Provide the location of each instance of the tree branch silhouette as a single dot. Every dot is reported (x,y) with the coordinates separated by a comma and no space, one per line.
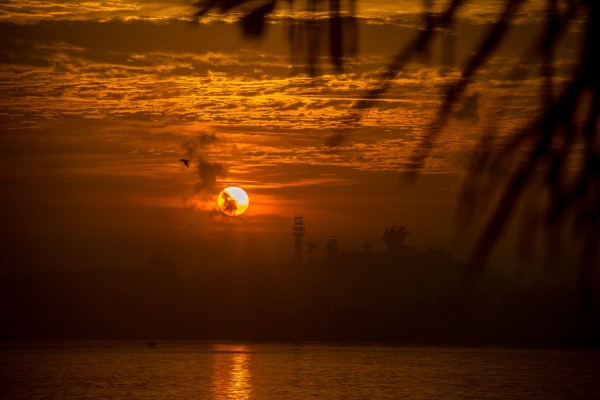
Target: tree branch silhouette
(535,158)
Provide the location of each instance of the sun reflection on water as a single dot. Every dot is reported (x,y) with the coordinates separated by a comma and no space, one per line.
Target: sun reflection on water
(231,374)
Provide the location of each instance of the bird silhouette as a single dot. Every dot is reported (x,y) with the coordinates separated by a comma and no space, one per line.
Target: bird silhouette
(185,162)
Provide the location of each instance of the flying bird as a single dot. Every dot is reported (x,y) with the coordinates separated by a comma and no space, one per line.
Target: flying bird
(185,162)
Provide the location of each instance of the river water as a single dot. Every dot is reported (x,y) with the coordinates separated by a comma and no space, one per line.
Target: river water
(229,370)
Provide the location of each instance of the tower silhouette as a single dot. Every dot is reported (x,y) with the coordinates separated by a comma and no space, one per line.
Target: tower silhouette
(298,232)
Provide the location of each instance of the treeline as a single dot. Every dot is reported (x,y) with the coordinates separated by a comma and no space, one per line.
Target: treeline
(401,296)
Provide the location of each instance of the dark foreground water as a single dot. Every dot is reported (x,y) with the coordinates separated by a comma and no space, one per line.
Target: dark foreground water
(207,370)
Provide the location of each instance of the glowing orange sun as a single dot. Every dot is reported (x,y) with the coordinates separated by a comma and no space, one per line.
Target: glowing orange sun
(233,201)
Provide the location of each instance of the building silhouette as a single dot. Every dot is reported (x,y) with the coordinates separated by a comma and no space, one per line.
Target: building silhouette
(331,247)
(298,231)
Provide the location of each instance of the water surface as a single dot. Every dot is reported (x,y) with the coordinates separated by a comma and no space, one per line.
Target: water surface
(210,370)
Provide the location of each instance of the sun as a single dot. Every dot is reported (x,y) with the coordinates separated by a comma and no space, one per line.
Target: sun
(233,201)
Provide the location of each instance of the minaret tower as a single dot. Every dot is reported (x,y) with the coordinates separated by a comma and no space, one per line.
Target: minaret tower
(298,231)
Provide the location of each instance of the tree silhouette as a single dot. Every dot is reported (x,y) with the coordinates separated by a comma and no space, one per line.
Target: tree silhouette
(394,237)
(536,159)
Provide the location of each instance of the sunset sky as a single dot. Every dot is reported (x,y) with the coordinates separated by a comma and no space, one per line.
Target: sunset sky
(100,101)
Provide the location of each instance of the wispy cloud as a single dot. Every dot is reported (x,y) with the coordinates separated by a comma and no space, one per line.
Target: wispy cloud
(35,10)
(207,171)
(165,82)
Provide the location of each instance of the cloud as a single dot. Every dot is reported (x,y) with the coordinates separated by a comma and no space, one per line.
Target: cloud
(170,75)
(229,203)
(207,171)
(34,11)
(200,142)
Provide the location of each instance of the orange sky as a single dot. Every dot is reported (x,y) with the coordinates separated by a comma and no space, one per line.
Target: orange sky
(101,100)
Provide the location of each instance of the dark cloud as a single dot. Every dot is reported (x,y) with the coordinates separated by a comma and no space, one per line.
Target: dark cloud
(199,143)
(207,171)
(229,203)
